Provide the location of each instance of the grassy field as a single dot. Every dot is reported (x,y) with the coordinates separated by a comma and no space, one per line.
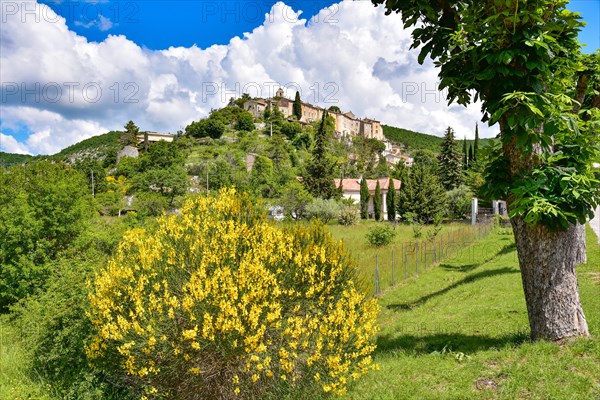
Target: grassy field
(460,331)
(409,259)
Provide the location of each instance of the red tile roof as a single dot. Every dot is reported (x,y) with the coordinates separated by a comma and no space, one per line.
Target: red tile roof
(353,184)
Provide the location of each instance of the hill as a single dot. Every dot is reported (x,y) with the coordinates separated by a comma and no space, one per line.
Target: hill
(98,147)
(412,140)
(8,159)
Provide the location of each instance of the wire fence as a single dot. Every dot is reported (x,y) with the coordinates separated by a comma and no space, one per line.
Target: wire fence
(403,261)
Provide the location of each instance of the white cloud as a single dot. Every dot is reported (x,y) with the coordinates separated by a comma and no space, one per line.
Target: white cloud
(9,144)
(65,89)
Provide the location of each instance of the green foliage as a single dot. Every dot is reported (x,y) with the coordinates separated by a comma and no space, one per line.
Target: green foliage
(422,195)
(334,109)
(9,159)
(459,202)
(295,199)
(377,202)
(325,210)
(391,201)
(245,122)
(449,162)
(529,79)
(476,143)
(291,130)
(349,215)
(381,235)
(261,177)
(45,206)
(319,177)
(364,199)
(102,147)
(297,107)
(212,127)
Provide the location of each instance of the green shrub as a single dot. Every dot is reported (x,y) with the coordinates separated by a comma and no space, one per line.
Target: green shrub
(325,210)
(381,235)
(349,215)
(219,303)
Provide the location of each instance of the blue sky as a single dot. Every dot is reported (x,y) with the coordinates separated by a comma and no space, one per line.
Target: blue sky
(72,69)
(159,24)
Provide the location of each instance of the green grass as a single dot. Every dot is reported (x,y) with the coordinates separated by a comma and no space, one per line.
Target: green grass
(460,331)
(452,239)
(15,382)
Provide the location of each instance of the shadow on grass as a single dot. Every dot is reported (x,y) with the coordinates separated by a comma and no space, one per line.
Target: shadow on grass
(468,279)
(430,342)
(506,249)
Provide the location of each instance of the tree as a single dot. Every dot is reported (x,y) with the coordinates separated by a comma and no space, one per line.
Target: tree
(465,155)
(129,137)
(377,202)
(45,208)
(261,177)
(297,107)
(335,109)
(364,199)
(391,201)
(422,195)
(528,78)
(449,161)
(295,199)
(471,159)
(476,144)
(245,122)
(209,127)
(319,177)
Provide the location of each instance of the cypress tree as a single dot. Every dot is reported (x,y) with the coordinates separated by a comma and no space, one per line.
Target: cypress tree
(297,108)
(465,155)
(471,159)
(476,146)
(364,199)
(391,201)
(449,161)
(319,177)
(377,202)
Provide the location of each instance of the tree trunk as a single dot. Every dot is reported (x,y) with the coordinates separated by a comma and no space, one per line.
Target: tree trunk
(547,260)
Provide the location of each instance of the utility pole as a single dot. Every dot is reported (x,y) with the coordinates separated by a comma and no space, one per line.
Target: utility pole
(271,128)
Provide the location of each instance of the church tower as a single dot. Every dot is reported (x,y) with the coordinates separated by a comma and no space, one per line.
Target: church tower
(279,93)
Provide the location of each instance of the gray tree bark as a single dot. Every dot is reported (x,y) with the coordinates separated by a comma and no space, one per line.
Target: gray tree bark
(547,260)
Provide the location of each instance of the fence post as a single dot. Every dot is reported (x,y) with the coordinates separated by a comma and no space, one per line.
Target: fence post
(417,257)
(434,251)
(425,256)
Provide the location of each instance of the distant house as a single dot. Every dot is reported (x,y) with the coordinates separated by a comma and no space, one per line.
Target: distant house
(155,137)
(351,190)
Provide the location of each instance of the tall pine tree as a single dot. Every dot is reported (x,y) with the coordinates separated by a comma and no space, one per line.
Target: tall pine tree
(297,108)
(422,196)
(465,155)
(377,202)
(391,201)
(476,145)
(364,199)
(449,161)
(319,177)
(471,159)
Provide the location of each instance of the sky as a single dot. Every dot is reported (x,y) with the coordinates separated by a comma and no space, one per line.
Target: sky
(75,69)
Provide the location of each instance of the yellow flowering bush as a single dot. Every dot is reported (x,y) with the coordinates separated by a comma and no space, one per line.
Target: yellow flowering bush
(219,303)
